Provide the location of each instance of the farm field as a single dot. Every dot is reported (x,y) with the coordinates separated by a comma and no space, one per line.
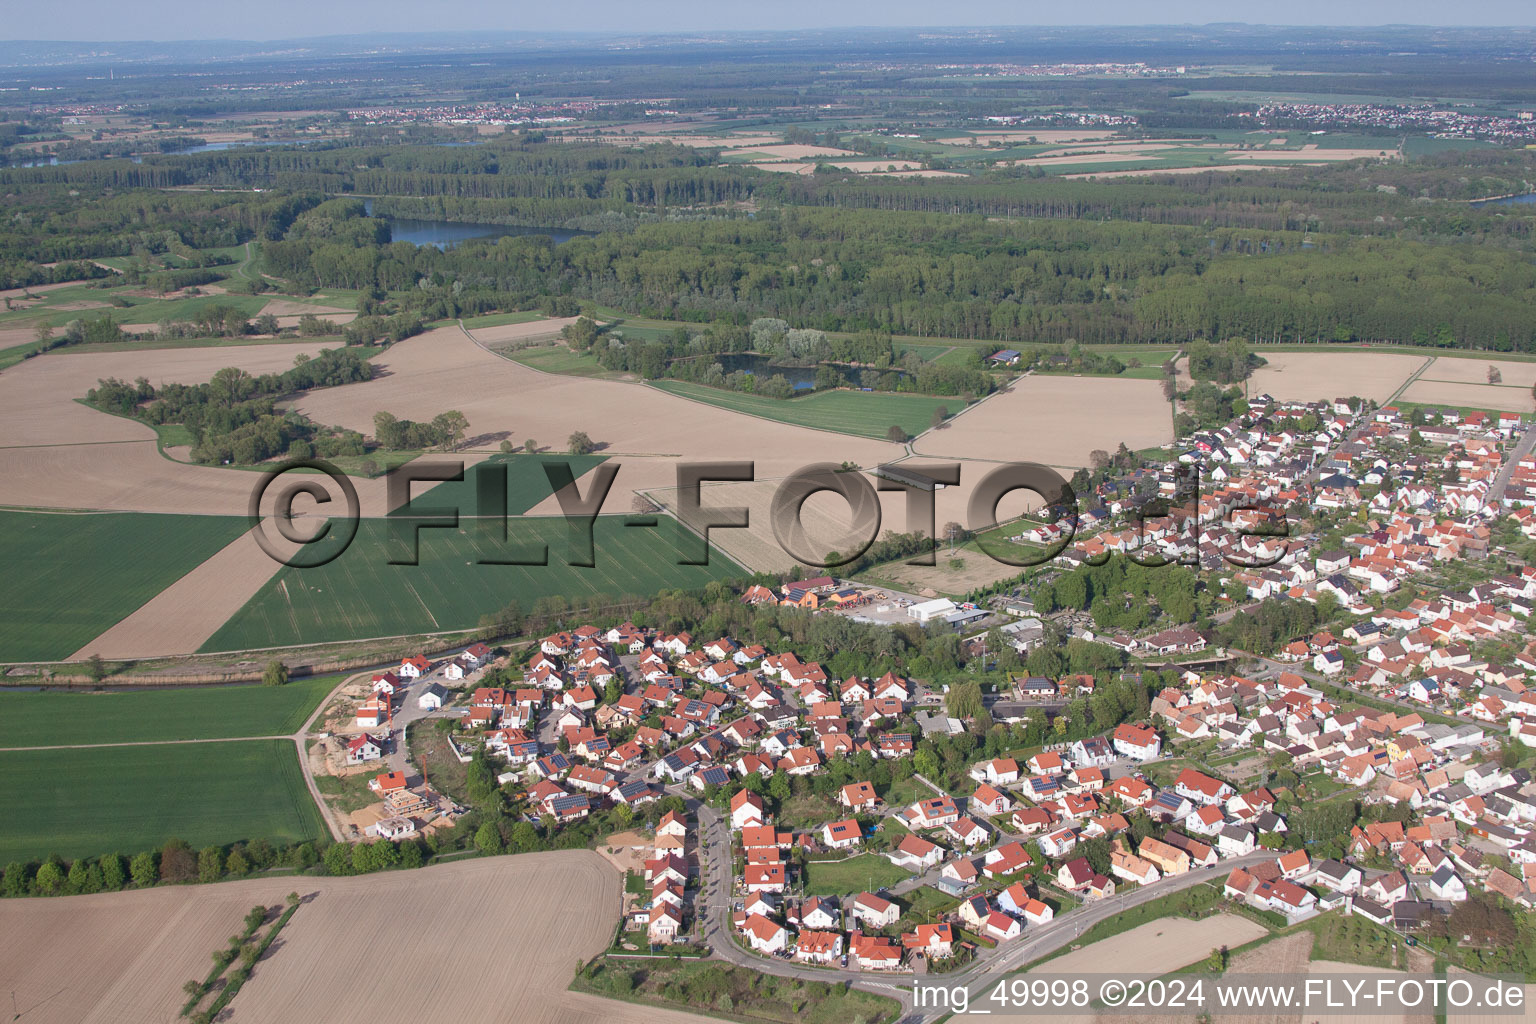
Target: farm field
(142,945)
(868,873)
(1159,946)
(361,595)
(1498,397)
(73,576)
(1472,368)
(1056,421)
(527,484)
(187,713)
(1316,376)
(557,358)
(865,414)
(94,800)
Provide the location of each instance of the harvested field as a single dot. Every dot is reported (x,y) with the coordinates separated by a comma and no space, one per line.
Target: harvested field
(451,919)
(1158,947)
(1499,397)
(1474,370)
(1042,419)
(788,152)
(1314,376)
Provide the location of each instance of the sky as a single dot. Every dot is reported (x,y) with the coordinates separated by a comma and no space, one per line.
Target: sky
(113,20)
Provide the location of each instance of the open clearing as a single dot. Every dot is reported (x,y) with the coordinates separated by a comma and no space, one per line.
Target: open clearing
(1057,421)
(73,576)
(93,800)
(359,594)
(1158,946)
(1499,397)
(451,920)
(1318,376)
(187,713)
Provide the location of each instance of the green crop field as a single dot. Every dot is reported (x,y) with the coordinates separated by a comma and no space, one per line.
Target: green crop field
(856,874)
(71,577)
(527,484)
(864,413)
(360,594)
(92,801)
(136,716)
(556,359)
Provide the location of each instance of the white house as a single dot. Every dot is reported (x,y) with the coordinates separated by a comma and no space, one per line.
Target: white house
(765,935)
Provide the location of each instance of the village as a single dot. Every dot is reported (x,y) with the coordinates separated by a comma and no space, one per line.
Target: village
(726,734)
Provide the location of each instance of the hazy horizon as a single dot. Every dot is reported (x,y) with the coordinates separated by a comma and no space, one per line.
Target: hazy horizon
(97,21)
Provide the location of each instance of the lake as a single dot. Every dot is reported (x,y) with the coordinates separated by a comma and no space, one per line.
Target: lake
(443,233)
(1522,200)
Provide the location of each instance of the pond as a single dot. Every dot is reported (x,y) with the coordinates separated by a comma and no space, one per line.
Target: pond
(801,378)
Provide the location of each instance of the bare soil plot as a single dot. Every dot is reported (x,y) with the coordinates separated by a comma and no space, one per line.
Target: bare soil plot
(1057,421)
(1287,955)
(1322,968)
(1158,947)
(60,453)
(291,307)
(1504,398)
(519,332)
(485,934)
(1314,376)
(37,289)
(37,397)
(1474,370)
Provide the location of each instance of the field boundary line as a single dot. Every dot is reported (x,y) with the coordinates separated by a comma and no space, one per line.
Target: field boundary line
(143,743)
